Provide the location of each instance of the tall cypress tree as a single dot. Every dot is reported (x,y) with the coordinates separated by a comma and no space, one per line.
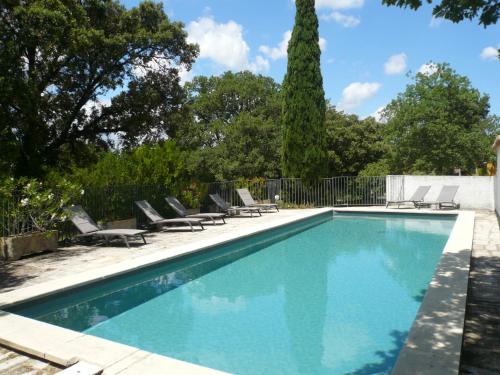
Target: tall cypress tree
(304,106)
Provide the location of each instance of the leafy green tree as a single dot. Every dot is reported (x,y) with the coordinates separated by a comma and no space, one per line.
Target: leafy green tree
(352,143)
(151,109)
(58,57)
(304,106)
(456,11)
(215,101)
(235,130)
(439,123)
(251,148)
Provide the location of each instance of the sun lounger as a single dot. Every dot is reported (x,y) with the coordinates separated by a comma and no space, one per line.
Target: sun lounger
(446,198)
(417,198)
(181,211)
(159,221)
(88,228)
(248,201)
(232,210)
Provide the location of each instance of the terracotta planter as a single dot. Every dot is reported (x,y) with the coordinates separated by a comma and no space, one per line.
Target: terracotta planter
(13,248)
(122,224)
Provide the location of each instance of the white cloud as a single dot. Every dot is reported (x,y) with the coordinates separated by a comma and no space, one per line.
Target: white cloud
(489,53)
(185,75)
(96,105)
(342,19)
(435,22)
(322,44)
(428,69)
(357,93)
(396,64)
(378,115)
(280,52)
(259,65)
(339,4)
(161,62)
(224,44)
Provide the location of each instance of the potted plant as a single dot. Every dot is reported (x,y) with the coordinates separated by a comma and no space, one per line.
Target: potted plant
(31,213)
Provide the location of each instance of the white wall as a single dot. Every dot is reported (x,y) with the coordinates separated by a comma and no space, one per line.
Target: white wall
(474,192)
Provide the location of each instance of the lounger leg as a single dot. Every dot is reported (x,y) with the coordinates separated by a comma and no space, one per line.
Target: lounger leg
(201,225)
(191,226)
(223,220)
(260,213)
(106,238)
(144,239)
(126,241)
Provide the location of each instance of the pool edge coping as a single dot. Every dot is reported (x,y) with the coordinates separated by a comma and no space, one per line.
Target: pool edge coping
(65,347)
(434,342)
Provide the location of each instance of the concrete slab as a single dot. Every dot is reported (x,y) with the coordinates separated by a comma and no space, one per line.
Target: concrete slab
(159,365)
(82,368)
(127,362)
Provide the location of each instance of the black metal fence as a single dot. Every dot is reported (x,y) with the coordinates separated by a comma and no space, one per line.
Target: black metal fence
(112,203)
(13,219)
(103,204)
(293,192)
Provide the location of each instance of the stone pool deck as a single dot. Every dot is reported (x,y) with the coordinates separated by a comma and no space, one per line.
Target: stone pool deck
(14,363)
(481,346)
(81,258)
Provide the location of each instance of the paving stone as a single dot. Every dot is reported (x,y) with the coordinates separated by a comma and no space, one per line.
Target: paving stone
(469,370)
(481,345)
(82,257)
(14,363)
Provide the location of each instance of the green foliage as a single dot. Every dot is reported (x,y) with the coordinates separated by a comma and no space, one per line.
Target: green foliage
(352,143)
(34,205)
(162,164)
(159,169)
(457,11)
(58,57)
(235,128)
(256,186)
(250,147)
(378,168)
(304,106)
(439,123)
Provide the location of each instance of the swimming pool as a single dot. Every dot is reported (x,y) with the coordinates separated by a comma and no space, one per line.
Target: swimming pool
(319,296)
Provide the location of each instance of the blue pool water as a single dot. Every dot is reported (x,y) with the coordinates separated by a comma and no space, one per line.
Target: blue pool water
(318,297)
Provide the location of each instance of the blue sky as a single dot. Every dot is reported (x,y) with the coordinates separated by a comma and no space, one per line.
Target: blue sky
(360,36)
